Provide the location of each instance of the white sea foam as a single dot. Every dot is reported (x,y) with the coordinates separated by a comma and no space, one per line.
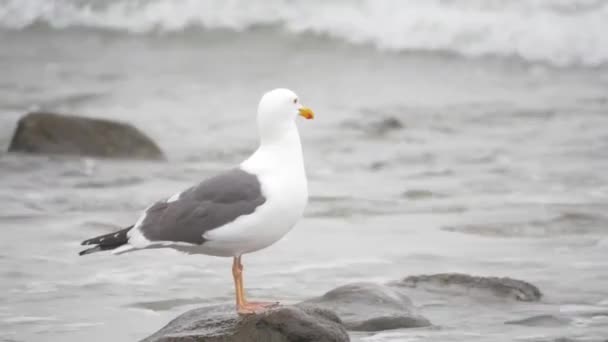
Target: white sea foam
(29,319)
(560,32)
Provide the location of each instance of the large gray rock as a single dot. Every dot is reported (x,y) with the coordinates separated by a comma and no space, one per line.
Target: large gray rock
(49,133)
(470,285)
(370,307)
(220,323)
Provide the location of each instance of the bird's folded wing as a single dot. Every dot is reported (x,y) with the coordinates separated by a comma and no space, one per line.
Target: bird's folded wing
(211,204)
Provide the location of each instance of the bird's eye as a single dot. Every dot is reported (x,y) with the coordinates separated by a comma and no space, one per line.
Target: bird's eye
(295,100)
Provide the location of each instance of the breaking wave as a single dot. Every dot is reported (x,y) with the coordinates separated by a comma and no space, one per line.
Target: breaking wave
(559,32)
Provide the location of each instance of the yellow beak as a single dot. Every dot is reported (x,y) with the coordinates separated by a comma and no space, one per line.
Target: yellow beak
(307,113)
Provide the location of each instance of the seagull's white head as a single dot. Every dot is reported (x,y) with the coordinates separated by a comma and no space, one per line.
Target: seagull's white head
(277,112)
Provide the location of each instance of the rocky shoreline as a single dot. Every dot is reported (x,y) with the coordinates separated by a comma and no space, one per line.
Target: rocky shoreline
(363,307)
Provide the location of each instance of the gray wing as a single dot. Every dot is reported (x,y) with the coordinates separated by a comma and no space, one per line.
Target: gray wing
(211,204)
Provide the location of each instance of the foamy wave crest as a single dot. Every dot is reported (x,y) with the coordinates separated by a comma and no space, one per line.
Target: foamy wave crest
(560,32)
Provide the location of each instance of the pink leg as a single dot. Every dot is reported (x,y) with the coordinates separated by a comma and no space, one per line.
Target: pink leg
(245,307)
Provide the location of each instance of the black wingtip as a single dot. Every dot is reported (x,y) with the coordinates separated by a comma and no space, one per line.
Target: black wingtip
(90,250)
(89,242)
(108,241)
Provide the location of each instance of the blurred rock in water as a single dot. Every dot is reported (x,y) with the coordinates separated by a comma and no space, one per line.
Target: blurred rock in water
(542,321)
(371,307)
(377,128)
(50,133)
(285,323)
(471,285)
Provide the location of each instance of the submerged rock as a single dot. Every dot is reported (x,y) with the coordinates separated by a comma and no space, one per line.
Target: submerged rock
(371,307)
(420,194)
(466,284)
(386,125)
(377,128)
(50,133)
(542,321)
(283,324)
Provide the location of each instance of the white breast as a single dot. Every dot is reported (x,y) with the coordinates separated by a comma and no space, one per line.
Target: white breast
(280,170)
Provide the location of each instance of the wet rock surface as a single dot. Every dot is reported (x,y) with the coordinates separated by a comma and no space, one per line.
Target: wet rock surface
(371,307)
(541,321)
(51,133)
(506,288)
(302,323)
(355,307)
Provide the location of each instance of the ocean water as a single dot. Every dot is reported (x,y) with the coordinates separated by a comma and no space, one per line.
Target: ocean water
(499,166)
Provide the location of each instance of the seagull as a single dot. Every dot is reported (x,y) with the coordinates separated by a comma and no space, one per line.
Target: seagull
(236,212)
